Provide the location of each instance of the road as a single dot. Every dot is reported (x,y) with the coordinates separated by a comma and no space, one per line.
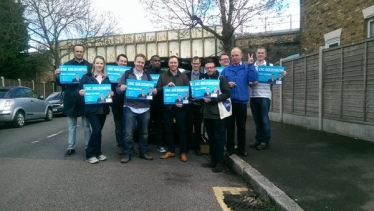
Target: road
(36,176)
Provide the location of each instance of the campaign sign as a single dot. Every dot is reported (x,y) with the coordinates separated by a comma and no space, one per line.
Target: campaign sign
(176,94)
(138,89)
(205,88)
(219,69)
(115,72)
(270,74)
(155,77)
(97,93)
(72,74)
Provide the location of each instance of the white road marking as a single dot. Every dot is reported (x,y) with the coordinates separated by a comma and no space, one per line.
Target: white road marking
(50,136)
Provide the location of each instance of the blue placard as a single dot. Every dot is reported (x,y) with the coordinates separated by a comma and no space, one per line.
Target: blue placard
(97,93)
(205,88)
(138,89)
(155,77)
(270,74)
(72,74)
(176,94)
(219,69)
(115,72)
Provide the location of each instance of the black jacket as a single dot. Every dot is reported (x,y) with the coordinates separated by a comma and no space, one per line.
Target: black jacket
(201,76)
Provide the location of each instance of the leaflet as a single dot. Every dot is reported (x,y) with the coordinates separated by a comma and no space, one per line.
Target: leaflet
(115,72)
(97,93)
(138,89)
(205,88)
(72,74)
(176,94)
(155,77)
(270,74)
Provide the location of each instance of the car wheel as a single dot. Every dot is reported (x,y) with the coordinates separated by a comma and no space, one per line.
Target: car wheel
(49,115)
(19,119)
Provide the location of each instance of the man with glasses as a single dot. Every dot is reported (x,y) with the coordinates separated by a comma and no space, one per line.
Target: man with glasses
(224,60)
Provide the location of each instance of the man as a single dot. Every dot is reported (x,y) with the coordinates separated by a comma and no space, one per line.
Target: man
(179,100)
(150,93)
(101,99)
(108,94)
(215,126)
(73,102)
(194,117)
(76,79)
(155,122)
(142,95)
(272,79)
(280,77)
(215,90)
(185,96)
(224,60)
(117,107)
(207,92)
(239,76)
(173,77)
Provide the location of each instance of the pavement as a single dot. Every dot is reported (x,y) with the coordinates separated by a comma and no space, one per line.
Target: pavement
(309,170)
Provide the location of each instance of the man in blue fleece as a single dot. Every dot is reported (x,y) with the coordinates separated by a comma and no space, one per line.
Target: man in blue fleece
(239,76)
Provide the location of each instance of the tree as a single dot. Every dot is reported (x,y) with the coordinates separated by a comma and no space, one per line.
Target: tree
(231,14)
(13,39)
(50,21)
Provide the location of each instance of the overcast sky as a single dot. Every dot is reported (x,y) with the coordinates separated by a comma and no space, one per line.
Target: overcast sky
(131,15)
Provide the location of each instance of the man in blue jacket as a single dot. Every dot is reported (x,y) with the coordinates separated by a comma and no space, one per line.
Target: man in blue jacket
(239,76)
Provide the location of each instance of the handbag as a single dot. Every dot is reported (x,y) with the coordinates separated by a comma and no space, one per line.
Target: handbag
(225,108)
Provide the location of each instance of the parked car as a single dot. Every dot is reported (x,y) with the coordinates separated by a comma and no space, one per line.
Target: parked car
(56,100)
(19,104)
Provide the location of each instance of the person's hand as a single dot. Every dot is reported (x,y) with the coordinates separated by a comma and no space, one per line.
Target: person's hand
(232,84)
(179,105)
(82,92)
(207,100)
(155,91)
(57,71)
(171,84)
(250,58)
(123,87)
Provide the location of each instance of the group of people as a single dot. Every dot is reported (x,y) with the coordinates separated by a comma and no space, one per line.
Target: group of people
(129,114)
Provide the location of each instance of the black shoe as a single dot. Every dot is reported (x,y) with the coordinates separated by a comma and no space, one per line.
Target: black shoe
(125,159)
(229,152)
(146,156)
(69,152)
(208,165)
(218,168)
(254,144)
(242,153)
(197,152)
(262,146)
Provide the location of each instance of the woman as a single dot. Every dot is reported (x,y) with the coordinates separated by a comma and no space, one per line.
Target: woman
(96,113)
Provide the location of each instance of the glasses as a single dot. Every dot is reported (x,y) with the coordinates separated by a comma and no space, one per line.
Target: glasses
(209,68)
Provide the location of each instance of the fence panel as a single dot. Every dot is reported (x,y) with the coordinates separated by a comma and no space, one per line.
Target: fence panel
(312,82)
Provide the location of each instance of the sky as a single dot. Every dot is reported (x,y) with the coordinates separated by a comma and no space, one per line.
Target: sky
(131,15)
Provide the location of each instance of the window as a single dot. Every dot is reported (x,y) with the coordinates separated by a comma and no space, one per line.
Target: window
(368,15)
(371,28)
(332,39)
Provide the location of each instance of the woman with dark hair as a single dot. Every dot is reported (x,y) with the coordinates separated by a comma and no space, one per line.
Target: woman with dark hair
(96,113)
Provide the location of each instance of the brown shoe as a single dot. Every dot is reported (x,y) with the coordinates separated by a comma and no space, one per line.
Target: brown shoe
(184,157)
(167,155)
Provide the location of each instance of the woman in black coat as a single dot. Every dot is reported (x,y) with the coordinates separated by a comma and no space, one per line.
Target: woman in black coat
(96,113)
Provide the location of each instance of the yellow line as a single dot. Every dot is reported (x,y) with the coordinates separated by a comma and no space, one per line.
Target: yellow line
(218,192)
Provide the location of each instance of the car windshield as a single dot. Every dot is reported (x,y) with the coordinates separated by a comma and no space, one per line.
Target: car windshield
(54,96)
(2,93)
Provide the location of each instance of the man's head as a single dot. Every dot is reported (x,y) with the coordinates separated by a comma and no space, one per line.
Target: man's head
(78,51)
(143,91)
(272,76)
(215,88)
(150,90)
(196,63)
(122,60)
(280,75)
(210,67)
(155,62)
(207,90)
(101,95)
(139,62)
(179,96)
(236,55)
(260,54)
(224,60)
(173,63)
(76,76)
(185,94)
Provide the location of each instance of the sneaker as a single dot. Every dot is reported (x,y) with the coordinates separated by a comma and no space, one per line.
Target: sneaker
(262,146)
(254,144)
(146,157)
(101,157)
(125,159)
(161,149)
(69,152)
(93,160)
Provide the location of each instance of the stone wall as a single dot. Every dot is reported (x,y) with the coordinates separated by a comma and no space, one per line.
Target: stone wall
(321,17)
(278,45)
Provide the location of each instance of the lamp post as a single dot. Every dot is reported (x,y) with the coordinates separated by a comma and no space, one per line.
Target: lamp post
(43,89)
(33,84)
(19,82)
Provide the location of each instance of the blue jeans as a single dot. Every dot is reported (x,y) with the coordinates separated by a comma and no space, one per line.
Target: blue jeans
(260,111)
(216,133)
(72,127)
(94,145)
(130,120)
(180,117)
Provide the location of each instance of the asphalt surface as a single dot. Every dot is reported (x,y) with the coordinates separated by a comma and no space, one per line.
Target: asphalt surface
(317,170)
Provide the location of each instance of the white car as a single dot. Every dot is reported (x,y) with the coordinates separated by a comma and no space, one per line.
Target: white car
(19,104)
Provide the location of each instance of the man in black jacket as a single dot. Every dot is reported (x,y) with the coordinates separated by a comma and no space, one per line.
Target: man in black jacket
(73,103)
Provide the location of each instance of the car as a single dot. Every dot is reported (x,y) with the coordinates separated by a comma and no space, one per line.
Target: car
(56,100)
(19,104)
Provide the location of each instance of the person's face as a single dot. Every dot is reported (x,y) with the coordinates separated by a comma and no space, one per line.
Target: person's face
(196,65)
(173,64)
(272,76)
(139,63)
(76,76)
(155,62)
(280,75)
(236,56)
(224,60)
(185,95)
(78,53)
(150,90)
(99,64)
(143,91)
(260,54)
(210,68)
(179,96)
(122,61)
(207,89)
(215,88)
(101,95)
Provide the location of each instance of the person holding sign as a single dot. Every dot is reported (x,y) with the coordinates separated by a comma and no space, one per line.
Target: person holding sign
(135,112)
(73,103)
(96,113)
(173,77)
(239,76)
(215,126)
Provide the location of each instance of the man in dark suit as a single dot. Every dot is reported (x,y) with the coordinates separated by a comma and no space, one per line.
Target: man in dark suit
(150,93)
(101,99)
(207,92)
(185,96)
(272,79)
(179,100)
(76,79)
(142,95)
